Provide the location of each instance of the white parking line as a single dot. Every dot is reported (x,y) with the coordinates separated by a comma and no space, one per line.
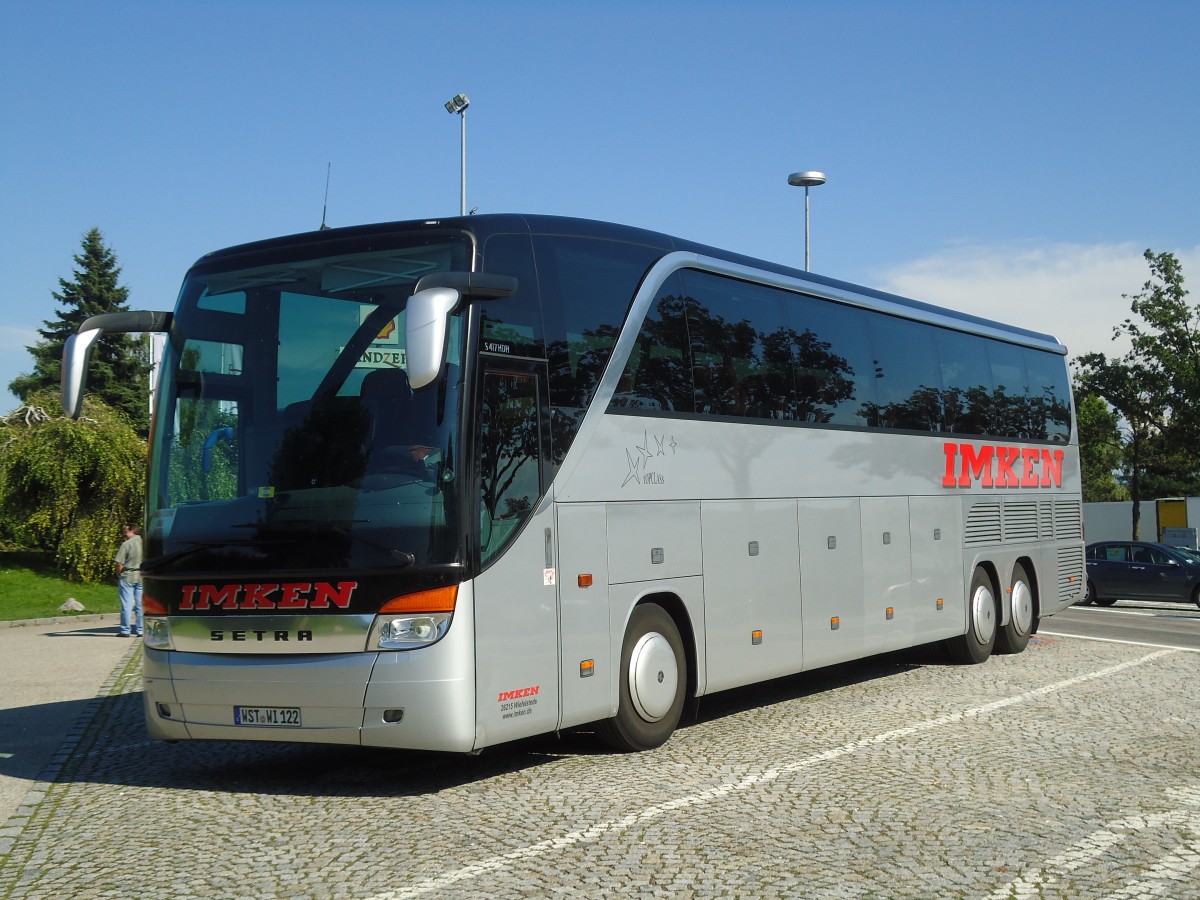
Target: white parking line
(1156,881)
(1151,613)
(1084,637)
(747,782)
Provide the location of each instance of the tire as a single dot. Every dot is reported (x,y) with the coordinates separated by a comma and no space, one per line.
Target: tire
(976,645)
(1196,595)
(1102,601)
(1013,637)
(653,683)
(1088,596)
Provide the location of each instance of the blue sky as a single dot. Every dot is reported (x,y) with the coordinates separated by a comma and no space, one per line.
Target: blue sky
(1012,159)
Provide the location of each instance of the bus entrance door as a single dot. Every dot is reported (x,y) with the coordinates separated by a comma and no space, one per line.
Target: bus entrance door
(587,674)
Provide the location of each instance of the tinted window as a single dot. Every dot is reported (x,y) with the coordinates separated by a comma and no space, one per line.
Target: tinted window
(966,382)
(908,380)
(750,351)
(1158,557)
(835,374)
(659,373)
(587,286)
(1049,390)
(509,477)
(512,325)
(734,330)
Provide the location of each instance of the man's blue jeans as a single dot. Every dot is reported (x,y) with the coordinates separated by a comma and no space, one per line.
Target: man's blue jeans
(131,604)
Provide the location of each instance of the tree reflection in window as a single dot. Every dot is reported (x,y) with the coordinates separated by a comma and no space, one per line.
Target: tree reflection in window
(204,461)
(717,346)
(509,458)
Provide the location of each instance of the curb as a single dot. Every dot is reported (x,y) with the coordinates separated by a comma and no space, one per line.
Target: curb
(61,620)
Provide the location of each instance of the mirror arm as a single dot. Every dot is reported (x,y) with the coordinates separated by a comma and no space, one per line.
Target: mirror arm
(483,285)
(129,322)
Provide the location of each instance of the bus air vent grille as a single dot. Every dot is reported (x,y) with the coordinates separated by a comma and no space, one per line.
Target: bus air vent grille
(1068,520)
(1021,521)
(983,525)
(1046,520)
(1070,572)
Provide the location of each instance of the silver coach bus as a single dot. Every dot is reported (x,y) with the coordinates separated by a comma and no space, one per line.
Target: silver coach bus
(444,484)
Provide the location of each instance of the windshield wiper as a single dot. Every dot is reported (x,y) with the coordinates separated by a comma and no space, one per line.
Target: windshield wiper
(165,559)
(277,533)
(401,556)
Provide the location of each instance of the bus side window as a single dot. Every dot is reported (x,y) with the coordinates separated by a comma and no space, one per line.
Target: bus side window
(509,454)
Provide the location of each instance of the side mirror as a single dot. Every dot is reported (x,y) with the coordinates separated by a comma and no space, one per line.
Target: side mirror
(78,349)
(425,321)
(435,297)
(76,352)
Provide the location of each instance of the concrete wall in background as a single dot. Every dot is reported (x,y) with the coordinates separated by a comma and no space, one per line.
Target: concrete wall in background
(1114,521)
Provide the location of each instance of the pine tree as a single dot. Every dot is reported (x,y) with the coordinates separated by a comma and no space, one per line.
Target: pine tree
(118,372)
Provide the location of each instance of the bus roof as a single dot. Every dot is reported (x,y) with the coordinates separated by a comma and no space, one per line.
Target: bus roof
(483,226)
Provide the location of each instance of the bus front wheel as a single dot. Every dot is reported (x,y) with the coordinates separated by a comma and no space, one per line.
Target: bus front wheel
(982,614)
(1014,637)
(653,681)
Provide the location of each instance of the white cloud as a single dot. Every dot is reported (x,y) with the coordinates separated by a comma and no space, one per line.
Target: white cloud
(1072,291)
(14,339)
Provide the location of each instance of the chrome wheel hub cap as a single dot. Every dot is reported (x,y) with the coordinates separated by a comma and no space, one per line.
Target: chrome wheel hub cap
(983,615)
(653,677)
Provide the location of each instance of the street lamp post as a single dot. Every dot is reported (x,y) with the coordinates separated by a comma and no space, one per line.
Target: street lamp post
(458,104)
(806,180)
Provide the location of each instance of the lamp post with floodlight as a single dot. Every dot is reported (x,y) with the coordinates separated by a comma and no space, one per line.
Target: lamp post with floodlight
(458,104)
(806,180)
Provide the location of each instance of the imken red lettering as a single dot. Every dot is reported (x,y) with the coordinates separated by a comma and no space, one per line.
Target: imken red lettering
(517,694)
(297,595)
(1001,466)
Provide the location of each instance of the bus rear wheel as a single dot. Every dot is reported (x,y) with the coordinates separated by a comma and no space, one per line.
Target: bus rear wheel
(982,613)
(653,681)
(1014,636)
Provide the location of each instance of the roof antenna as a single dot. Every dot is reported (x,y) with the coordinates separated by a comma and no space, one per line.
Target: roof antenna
(325,206)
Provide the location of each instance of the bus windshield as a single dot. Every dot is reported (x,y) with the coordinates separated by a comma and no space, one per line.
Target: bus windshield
(289,438)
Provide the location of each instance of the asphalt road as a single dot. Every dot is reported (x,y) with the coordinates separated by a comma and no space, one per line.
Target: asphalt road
(1142,622)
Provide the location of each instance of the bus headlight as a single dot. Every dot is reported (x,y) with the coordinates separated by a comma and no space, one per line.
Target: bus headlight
(413,620)
(156,633)
(408,632)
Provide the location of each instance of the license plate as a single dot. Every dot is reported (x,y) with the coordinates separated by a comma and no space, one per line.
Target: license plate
(269,716)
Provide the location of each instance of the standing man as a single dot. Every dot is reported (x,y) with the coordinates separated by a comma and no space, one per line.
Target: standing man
(129,580)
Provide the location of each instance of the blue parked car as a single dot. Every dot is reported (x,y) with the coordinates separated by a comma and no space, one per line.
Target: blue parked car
(1140,570)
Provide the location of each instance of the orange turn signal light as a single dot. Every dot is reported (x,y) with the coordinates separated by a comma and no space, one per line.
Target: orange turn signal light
(437,600)
(152,607)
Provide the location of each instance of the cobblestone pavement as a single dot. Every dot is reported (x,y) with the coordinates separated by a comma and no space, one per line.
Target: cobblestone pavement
(1072,770)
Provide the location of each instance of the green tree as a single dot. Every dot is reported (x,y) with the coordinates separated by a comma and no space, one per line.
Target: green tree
(1154,387)
(67,486)
(1168,340)
(1136,391)
(1100,449)
(1169,466)
(119,368)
